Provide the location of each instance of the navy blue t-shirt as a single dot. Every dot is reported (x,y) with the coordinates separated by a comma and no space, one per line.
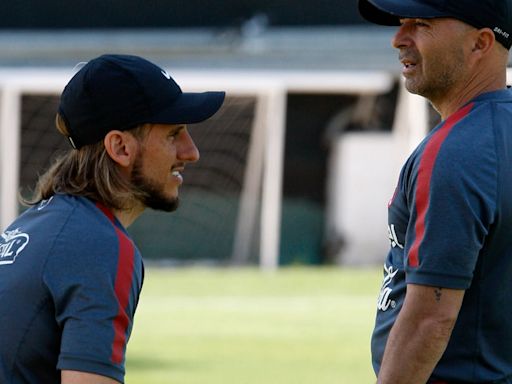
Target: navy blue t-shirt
(70,279)
(450,225)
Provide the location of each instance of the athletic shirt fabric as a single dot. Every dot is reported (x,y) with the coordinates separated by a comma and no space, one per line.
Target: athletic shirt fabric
(70,279)
(450,225)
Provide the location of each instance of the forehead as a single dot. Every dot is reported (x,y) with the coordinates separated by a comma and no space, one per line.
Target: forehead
(162,129)
(441,21)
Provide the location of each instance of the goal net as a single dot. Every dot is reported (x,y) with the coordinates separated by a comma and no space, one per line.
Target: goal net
(203,228)
(231,208)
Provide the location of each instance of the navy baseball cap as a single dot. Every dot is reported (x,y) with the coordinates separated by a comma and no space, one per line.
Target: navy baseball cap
(493,14)
(121,92)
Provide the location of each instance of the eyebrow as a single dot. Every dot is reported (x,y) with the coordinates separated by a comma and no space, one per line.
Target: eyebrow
(177,128)
(412,19)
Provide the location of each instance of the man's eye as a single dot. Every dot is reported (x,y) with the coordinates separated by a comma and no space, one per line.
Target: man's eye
(420,23)
(175,134)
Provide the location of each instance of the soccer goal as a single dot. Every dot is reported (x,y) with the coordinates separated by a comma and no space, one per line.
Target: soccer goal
(231,199)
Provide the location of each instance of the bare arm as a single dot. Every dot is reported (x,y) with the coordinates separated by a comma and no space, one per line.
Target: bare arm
(76,377)
(420,334)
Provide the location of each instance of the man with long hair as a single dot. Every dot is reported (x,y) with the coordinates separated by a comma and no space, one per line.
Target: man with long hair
(70,274)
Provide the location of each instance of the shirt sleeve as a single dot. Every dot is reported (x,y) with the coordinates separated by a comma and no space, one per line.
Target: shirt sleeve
(95,281)
(452,202)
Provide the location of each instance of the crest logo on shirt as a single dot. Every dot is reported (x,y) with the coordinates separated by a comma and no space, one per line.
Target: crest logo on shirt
(384,301)
(44,203)
(11,245)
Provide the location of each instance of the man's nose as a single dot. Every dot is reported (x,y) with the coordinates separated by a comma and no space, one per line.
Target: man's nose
(187,149)
(402,37)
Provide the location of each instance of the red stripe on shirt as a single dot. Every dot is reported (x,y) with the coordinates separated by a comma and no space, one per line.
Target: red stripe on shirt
(426,168)
(107,212)
(123,284)
(122,288)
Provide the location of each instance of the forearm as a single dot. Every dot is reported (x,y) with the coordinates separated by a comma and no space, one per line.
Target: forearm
(412,351)
(77,377)
(419,336)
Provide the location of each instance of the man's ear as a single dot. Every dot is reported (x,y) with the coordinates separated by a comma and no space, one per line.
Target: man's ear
(484,41)
(122,147)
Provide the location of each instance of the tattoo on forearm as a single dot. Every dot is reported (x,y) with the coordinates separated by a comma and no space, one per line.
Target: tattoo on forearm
(438,292)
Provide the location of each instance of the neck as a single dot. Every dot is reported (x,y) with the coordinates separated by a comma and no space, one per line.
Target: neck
(451,105)
(486,78)
(128,216)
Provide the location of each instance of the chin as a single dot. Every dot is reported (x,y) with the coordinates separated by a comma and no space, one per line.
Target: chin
(161,203)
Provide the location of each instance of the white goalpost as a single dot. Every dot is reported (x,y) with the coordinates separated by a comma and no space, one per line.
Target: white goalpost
(261,194)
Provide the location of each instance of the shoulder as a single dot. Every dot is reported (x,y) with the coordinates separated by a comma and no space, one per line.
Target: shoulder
(85,219)
(91,244)
(88,236)
(464,140)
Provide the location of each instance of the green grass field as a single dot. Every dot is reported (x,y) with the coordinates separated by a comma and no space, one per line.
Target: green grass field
(243,326)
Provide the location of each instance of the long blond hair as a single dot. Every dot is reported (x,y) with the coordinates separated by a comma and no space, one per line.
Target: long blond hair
(89,172)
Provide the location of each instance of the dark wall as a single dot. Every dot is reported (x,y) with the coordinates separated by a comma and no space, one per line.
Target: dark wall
(56,14)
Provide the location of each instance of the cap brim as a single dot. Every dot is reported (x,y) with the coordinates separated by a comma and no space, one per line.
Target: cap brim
(389,12)
(190,108)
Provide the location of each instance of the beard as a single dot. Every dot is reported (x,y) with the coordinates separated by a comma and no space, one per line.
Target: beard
(151,192)
(435,87)
(445,71)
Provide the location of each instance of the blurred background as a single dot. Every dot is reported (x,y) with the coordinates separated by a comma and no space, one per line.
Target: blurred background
(298,166)
(295,173)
